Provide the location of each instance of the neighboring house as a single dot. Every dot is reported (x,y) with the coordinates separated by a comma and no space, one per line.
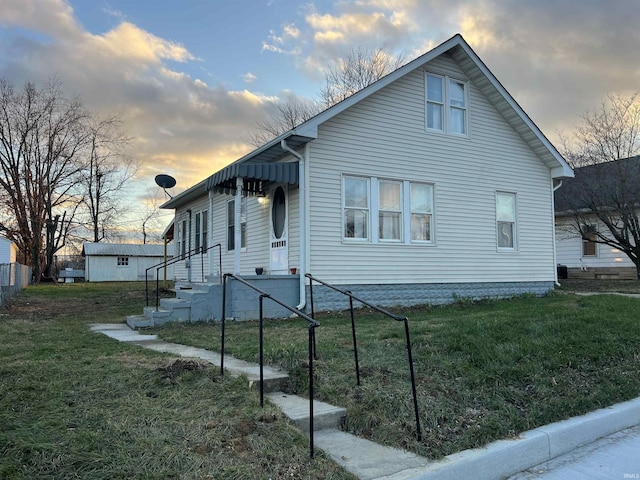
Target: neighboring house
(8,251)
(430,184)
(109,262)
(576,248)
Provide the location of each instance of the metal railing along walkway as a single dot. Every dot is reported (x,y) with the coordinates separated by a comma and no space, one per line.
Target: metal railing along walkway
(176,259)
(398,318)
(311,325)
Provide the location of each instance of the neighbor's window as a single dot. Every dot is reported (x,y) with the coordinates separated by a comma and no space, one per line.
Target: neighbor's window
(231,230)
(123,261)
(421,212)
(356,208)
(506,220)
(446,104)
(589,247)
(389,210)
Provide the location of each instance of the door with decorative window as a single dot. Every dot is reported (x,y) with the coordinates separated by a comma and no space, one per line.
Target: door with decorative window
(279,250)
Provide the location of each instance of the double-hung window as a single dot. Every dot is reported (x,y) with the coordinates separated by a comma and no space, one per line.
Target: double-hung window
(506,220)
(231,227)
(205,232)
(589,245)
(356,208)
(421,212)
(381,210)
(390,210)
(446,104)
(183,231)
(201,231)
(198,243)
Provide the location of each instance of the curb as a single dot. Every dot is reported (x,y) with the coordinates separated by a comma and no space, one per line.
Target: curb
(504,458)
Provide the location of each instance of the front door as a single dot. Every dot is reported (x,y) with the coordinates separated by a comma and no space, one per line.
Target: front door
(279,233)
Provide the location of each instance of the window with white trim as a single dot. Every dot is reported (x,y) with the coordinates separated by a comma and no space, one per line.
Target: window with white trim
(390,210)
(446,109)
(400,211)
(198,232)
(183,231)
(201,231)
(205,230)
(123,261)
(589,245)
(231,230)
(506,222)
(356,208)
(421,212)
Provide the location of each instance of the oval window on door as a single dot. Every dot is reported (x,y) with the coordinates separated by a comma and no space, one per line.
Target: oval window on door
(278,212)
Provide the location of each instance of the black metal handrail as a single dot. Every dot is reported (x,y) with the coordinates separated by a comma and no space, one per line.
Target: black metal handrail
(399,318)
(311,325)
(176,259)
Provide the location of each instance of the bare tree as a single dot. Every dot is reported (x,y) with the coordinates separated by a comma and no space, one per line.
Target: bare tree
(360,69)
(606,188)
(289,114)
(105,174)
(151,216)
(42,135)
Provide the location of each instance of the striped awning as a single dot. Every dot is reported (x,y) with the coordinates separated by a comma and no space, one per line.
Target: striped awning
(253,175)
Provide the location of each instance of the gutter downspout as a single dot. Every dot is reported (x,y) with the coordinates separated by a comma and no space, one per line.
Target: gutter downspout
(302,191)
(553,214)
(237,241)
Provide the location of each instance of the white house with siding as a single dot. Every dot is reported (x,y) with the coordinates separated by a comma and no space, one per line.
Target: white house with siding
(597,190)
(120,262)
(429,184)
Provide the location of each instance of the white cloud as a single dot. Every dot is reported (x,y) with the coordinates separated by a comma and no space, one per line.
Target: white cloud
(249,77)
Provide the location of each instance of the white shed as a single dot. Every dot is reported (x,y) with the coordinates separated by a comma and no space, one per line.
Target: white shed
(8,251)
(121,262)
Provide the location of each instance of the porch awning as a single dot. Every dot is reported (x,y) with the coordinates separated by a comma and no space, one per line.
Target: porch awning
(253,174)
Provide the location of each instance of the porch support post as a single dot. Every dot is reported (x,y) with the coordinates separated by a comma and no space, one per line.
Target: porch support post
(212,257)
(237,227)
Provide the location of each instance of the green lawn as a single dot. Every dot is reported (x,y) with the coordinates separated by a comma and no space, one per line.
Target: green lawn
(75,404)
(79,405)
(485,370)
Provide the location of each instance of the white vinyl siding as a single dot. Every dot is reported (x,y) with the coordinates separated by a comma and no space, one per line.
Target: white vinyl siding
(384,137)
(570,245)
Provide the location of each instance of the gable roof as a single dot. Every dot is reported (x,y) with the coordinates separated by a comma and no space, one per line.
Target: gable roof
(125,250)
(472,66)
(600,185)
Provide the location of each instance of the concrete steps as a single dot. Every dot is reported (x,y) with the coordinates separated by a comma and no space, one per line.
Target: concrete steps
(363,458)
(297,409)
(193,302)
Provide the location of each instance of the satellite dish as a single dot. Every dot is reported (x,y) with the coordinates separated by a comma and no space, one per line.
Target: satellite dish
(165,181)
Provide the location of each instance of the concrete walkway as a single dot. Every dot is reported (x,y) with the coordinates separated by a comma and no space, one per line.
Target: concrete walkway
(566,446)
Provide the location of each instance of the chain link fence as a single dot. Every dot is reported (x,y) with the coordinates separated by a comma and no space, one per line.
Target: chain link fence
(13,278)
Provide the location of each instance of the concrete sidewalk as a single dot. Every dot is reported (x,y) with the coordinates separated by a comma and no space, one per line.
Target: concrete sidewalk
(568,446)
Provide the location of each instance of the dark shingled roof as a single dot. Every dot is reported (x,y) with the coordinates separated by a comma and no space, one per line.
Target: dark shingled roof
(600,185)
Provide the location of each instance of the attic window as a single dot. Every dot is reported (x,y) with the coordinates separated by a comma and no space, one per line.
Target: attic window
(446,108)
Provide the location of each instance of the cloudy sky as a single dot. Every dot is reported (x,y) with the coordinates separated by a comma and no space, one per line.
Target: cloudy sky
(191,77)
